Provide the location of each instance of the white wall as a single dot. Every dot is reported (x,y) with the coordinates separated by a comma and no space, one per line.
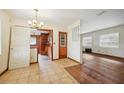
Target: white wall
(56,28)
(109,19)
(5,33)
(109,51)
(73,46)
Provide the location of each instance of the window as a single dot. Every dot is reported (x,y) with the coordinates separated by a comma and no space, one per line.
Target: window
(76,33)
(63,40)
(33,41)
(109,40)
(0,40)
(87,41)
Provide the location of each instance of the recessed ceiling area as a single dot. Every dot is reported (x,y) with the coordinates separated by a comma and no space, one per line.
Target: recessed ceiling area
(65,16)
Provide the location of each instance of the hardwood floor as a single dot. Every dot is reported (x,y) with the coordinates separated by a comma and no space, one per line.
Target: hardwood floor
(98,69)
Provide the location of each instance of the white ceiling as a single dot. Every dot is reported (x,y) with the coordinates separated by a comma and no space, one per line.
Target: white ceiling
(63,16)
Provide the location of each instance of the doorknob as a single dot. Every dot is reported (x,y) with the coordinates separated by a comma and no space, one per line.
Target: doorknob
(11,48)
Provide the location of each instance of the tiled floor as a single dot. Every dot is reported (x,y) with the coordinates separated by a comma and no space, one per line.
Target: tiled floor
(45,72)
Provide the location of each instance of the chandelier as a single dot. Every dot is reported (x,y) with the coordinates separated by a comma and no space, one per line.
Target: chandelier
(34,23)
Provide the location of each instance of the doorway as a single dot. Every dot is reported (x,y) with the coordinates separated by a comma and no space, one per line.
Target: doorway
(62,45)
(44,44)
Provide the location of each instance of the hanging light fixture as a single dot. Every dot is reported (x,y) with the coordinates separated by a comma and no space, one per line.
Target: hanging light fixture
(34,23)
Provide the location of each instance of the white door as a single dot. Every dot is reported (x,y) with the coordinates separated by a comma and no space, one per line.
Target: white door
(20,47)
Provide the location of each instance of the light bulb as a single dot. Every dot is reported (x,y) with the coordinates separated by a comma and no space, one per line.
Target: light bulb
(41,24)
(29,22)
(34,21)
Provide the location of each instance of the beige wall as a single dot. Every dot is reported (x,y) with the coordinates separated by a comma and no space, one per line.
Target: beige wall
(109,51)
(56,28)
(5,33)
(0,38)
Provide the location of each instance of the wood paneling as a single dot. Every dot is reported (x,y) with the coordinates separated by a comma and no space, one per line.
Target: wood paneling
(98,69)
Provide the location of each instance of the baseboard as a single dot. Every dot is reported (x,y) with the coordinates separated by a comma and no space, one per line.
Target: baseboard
(55,59)
(116,57)
(33,62)
(74,60)
(4,72)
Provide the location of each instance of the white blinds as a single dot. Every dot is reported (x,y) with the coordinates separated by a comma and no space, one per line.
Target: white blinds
(109,40)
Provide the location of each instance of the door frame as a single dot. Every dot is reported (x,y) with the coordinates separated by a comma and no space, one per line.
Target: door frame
(59,43)
(49,30)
